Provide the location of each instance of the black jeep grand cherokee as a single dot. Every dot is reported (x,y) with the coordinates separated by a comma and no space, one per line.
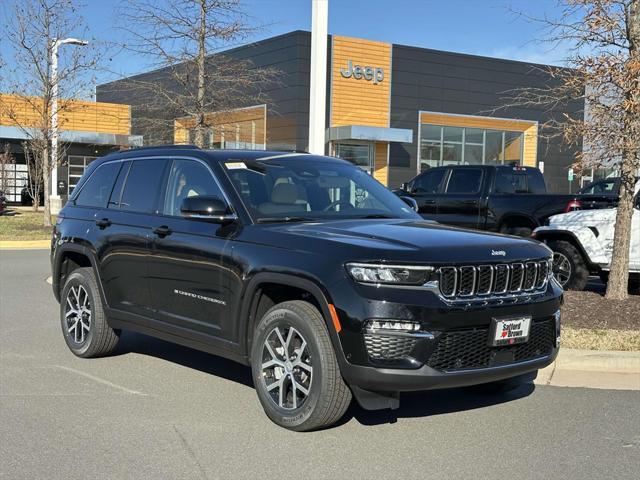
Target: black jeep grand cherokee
(303,267)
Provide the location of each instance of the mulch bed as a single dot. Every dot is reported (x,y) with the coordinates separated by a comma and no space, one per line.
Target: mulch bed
(592,310)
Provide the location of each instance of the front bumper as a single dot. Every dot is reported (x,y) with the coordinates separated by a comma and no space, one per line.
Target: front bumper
(451,349)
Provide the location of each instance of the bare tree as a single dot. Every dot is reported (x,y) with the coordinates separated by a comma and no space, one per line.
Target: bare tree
(182,40)
(33,151)
(6,161)
(605,75)
(34,26)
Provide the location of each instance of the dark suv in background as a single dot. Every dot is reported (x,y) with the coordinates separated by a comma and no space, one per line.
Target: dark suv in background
(303,267)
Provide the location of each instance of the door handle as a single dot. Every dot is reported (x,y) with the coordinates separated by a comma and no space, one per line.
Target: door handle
(103,223)
(429,202)
(162,231)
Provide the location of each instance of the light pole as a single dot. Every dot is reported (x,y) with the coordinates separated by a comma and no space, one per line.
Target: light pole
(318,84)
(54,198)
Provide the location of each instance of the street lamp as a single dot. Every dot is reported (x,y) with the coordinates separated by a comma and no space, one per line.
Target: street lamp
(54,198)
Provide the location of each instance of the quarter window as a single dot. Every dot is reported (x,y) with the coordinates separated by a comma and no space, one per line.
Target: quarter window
(97,189)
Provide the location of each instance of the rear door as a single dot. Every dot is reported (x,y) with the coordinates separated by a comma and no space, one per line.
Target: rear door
(459,204)
(123,235)
(190,268)
(424,189)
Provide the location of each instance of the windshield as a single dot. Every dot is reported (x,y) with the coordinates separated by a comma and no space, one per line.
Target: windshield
(308,188)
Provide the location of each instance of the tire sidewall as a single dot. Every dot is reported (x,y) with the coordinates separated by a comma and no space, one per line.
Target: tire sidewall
(278,317)
(579,274)
(75,279)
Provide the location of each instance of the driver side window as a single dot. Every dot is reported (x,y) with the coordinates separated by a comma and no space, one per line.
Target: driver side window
(188,178)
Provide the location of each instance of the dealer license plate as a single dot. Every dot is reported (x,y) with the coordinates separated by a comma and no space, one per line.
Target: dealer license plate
(509,331)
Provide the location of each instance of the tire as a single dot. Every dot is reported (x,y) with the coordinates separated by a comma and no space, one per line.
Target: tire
(92,336)
(516,231)
(327,398)
(577,277)
(507,385)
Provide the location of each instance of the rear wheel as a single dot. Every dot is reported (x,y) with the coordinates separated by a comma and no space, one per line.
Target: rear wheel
(82,317)
(569,267)
(295,370)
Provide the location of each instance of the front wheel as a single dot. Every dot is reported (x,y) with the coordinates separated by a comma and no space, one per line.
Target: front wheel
(295,370)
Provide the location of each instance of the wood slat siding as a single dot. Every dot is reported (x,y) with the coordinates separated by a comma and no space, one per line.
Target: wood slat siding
(227,122)
(528,128)
(73,115)
(359,102)
(381,166)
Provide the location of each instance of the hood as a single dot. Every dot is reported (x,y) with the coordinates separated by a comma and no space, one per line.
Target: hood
(583,217)
(407,240)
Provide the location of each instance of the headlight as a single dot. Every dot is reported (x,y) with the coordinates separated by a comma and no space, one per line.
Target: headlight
(389,274)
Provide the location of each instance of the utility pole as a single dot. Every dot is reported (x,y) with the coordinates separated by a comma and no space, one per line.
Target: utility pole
(54,198)
(318,90)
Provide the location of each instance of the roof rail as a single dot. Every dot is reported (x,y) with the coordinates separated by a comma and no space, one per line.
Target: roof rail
(169,146)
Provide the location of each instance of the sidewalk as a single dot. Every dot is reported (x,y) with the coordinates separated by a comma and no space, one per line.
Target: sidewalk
(593,369)
(25,244)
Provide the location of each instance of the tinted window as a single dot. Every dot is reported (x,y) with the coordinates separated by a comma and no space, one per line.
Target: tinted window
(188,178)
(536,182)
(114,201)
(509,182)
(97,189)
(465,180)
(143,186)
(600,188)
(428,182)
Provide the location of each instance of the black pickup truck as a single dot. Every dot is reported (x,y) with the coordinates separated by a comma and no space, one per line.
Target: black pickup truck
(506,199)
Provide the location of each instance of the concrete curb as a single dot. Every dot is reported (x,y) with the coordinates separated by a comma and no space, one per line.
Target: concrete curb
(25,244)
(593,369)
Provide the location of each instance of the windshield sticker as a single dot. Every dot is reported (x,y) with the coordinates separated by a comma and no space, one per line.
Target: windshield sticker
(235,165)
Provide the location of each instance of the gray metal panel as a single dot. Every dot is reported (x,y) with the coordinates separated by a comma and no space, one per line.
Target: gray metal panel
(76,136)
(364,132)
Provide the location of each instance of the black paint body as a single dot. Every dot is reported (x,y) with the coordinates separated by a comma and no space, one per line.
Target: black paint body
(226,266)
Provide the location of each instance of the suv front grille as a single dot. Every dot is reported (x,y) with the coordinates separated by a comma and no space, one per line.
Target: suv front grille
(484,280)
(468,349)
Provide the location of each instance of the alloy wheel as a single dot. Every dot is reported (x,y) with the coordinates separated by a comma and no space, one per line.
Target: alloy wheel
(561,268)
(287,371)
(78,314)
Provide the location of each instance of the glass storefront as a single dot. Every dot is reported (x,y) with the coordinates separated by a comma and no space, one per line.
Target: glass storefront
(358,154)
(445,145)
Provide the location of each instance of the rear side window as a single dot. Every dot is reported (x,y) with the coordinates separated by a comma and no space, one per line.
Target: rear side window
(97,189)
(536,182)
(465,180)
(143,186)
(519,181)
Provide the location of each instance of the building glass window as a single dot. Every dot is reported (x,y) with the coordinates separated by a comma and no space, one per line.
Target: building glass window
(77,165)
(445,145)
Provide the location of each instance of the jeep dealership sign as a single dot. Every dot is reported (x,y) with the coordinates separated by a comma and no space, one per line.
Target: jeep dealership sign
(375,74)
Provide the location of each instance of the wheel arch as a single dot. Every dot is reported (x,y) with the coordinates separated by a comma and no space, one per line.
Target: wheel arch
(70,257)
(567,236)
(517,219)
(254,305)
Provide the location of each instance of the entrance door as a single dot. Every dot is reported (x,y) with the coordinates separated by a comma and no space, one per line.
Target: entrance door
(360,154)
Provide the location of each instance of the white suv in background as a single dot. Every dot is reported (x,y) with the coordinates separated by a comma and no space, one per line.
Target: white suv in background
(582,243)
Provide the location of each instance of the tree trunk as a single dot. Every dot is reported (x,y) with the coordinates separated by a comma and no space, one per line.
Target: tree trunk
(46,171)
(617,286)
(200,113)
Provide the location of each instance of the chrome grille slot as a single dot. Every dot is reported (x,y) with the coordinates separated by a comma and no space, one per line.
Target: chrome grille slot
(485,279)
(469,282)
(502,279)
(517,276)
(530,274)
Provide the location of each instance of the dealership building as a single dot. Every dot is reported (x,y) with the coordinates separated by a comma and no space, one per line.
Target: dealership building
(393,110)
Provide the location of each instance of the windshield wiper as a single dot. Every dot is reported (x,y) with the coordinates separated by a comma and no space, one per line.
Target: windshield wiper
(285,219)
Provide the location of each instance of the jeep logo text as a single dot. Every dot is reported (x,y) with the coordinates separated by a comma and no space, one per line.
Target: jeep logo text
(375,74)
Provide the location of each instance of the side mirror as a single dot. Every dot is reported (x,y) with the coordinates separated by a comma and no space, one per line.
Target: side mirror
(411,202)
(207,208)
(405,186)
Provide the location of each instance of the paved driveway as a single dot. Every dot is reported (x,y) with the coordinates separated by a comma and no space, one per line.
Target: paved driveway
(156,411)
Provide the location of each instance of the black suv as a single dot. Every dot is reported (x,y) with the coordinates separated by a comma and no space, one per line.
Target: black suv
(305,268)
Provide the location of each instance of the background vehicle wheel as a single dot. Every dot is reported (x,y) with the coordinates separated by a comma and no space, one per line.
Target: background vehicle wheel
(84,324)
(507,385)
(569,266)
(295,370)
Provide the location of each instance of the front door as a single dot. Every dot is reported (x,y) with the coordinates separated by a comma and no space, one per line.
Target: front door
(190,263)
(424,189)
(358,153)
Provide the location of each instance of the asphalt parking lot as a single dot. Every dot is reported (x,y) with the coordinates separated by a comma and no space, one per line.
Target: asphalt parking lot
(156,410)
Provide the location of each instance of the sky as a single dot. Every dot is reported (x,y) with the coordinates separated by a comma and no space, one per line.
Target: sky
(480,27)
